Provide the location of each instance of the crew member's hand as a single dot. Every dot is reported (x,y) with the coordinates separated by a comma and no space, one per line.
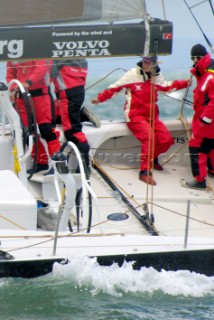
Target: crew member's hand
(13,96)
(26,85)
(189,82)
(95,101)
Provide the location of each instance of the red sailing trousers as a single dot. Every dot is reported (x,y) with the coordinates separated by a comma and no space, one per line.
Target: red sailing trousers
(42,107)
(158,138)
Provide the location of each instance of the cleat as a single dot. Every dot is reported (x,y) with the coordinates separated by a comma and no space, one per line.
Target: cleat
(147,178)
(195,185)
(39,167)
(89,116)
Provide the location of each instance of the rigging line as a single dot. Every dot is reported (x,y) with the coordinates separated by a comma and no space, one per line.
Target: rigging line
(181,115)
(150,163)
(184,215)
(51,238)
(108,74)
(153,131)
(205,37)
(199,3)
(188,102)
(150,136)
(164,11)
(12,222)
(211,6)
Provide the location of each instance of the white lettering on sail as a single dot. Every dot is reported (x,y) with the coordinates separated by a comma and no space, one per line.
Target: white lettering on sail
(81,48)
(13,48)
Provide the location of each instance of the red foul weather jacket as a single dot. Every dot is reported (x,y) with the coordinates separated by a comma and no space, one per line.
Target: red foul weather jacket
(203,119)
(137,110)
(37,72)
(138,92)
(69,76)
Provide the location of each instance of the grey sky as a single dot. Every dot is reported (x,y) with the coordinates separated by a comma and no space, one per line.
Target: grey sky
(184,24)
(186,33)
(185,29)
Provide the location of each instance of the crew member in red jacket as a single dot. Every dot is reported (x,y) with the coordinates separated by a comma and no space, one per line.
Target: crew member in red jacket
(35,76)
(201,144)
(69,78)
(139,85)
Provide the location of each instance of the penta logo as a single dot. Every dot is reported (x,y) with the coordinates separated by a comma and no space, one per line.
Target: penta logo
(12,48)
(81,48)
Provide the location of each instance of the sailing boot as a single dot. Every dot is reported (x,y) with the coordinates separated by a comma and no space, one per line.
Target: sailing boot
(194,184)
(41,159)
(146,177)
(157,166)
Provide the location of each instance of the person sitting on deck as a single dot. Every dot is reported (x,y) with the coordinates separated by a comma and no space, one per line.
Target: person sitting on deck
(141,112)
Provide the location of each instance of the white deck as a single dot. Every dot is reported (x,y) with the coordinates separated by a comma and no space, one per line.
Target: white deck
(169,200)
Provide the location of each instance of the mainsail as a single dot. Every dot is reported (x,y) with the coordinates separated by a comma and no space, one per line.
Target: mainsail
(91,28)
(28,12)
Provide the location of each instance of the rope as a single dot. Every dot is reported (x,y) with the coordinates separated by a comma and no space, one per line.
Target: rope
(181,115)
(101,79)
(50,236)
(12,222)
(151,145)
(184,215)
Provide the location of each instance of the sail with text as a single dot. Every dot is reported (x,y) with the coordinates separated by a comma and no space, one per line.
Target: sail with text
(85,28)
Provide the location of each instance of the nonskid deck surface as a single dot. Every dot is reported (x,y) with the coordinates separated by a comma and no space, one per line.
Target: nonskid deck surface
(168,200)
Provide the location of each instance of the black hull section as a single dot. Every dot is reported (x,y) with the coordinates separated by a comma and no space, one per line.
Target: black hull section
(200,261)
(27,269)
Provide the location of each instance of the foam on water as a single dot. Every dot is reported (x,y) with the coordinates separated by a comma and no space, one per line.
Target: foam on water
(86,274)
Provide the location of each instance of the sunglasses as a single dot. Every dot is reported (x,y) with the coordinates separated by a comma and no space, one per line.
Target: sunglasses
(149,62)
(196,57)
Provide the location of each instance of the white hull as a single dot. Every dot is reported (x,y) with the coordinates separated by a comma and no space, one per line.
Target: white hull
(167,243)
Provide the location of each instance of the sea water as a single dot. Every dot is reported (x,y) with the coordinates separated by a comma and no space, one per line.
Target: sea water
(84,290)
(103,72)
